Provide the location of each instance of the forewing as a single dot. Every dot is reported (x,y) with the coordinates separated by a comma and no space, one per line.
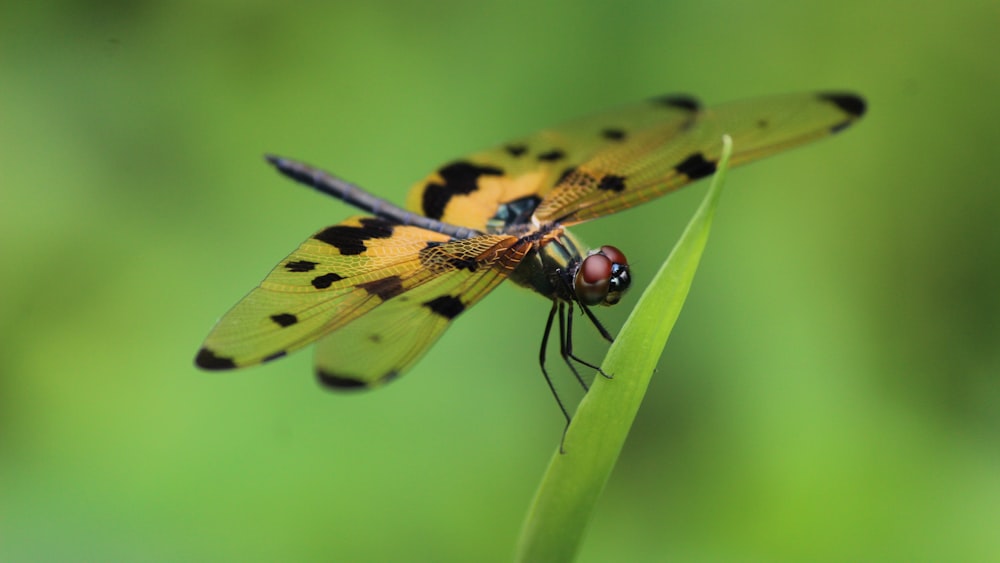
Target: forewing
(653,159)
(468,191)
(336,277)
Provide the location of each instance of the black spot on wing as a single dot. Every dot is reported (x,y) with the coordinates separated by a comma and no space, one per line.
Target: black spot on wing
(300,266)
(681,101)
(516,150)
(447,306)
(206,359)
(380,228)
(852,105)
(325,281)
(341,382)
(469,264)
(385,288)
(576,177)
(275,356)
(841,126)
(459,178)
(284,319)
(695,166)
(435,260)
(348,383)
(613,134)
(553,155)
(565,174)
(612,183)
(350,240)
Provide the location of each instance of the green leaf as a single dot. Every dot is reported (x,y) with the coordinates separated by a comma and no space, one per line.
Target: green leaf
(565,499)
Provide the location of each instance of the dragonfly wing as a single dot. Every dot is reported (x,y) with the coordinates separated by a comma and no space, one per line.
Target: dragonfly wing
(469,191)
(653,160)
(384,343)
(343,274)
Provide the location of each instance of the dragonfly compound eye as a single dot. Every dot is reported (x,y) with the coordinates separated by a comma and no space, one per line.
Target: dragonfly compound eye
(620,278)
(602,277)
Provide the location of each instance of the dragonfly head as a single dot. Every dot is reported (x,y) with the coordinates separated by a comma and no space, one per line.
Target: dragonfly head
(602,278)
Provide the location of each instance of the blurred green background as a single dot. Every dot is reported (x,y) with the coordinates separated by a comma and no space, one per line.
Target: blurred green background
(830,391)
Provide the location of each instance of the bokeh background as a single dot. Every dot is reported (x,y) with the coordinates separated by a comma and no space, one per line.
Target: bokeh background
(830,392)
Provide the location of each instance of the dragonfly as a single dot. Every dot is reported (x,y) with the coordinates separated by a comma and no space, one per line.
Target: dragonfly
(375,291)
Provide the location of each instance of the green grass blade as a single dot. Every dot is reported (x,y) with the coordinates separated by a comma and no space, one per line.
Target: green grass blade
(561,510)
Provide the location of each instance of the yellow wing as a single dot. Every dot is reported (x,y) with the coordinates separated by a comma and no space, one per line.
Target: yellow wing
(386,342)
(345,275)
(652,160)
(619,158)
(467,192)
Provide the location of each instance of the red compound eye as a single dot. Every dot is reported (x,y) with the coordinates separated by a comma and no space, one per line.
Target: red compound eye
(596,268)
(602,277)
(593,279)
(614,255)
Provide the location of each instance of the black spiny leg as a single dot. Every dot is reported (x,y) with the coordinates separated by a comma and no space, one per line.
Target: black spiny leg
(600,328)
(568,344)
(541,358)
(541,361)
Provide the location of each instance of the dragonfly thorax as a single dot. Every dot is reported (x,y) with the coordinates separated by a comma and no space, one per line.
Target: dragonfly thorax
(559,269)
